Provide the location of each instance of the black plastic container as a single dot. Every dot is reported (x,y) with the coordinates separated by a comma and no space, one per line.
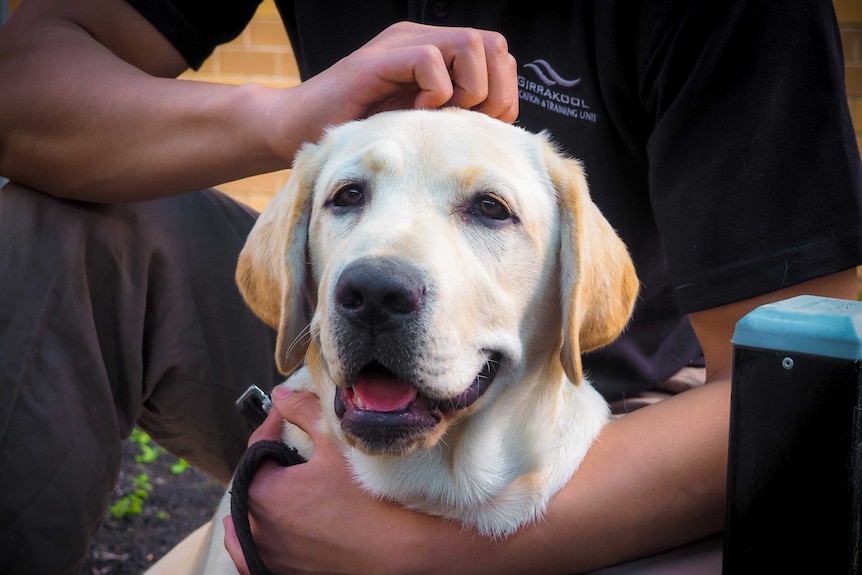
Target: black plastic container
(795,461)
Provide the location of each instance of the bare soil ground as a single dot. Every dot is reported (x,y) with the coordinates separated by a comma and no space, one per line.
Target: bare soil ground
(174,506)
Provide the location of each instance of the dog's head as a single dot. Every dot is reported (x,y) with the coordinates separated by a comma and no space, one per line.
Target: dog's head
(422,262)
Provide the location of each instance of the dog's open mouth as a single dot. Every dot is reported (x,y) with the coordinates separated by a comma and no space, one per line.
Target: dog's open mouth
(385,412)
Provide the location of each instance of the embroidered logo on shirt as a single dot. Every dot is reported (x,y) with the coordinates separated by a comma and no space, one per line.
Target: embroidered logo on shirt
(551,92)
(548,75)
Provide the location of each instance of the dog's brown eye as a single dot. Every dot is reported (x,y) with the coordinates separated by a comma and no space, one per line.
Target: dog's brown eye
(349,196)
(490,206)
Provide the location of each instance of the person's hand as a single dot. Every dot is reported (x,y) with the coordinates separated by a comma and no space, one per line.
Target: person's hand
(314,518)
(417,66)
(406,66)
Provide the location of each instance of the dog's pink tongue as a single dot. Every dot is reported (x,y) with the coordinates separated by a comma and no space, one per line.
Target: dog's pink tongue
(382,392)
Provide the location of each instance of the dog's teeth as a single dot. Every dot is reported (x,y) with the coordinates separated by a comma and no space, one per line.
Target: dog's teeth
(359,402)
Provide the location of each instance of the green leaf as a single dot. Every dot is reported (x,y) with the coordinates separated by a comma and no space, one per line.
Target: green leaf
(180,466)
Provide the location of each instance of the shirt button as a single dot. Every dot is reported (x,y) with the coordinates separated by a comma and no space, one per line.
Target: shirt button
(440,9)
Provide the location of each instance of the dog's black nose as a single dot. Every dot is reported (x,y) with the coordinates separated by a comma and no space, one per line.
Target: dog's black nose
(379,292)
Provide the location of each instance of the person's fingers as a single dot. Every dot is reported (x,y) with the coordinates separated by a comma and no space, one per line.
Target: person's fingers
(502,99)
(461,67)
(482,72)
(271,428)
(468,64)
(422,67)
(301,408)
(234,549)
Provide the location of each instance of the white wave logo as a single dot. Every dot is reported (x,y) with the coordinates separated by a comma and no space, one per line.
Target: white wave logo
(548,75)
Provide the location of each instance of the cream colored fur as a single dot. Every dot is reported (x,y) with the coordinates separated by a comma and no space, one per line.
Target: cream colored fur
(540,289)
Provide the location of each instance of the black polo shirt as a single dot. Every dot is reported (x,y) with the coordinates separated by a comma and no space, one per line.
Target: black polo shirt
(715,135)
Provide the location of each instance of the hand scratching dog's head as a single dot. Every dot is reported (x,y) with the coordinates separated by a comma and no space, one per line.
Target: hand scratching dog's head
(425,265)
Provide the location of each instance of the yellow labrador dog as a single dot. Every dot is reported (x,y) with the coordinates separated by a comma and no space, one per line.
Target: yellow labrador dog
(439,274)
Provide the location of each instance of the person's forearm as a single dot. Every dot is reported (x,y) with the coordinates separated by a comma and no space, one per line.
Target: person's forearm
(654,480)
(635,494)
(95,128)
(640,492)
(90,108)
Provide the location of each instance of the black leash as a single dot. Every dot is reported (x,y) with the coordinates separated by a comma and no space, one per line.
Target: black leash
(250,462)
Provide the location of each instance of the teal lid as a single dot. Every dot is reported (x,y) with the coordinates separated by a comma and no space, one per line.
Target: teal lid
(804,324)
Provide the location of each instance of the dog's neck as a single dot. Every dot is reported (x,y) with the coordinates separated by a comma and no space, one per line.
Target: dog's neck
(496,469)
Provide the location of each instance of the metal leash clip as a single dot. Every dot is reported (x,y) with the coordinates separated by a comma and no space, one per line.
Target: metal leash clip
(254,405)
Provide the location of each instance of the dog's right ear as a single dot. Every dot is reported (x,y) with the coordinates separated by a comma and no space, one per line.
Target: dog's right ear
(272,267)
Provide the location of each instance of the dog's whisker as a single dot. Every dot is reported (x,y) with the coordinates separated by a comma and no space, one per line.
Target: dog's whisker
(303,337)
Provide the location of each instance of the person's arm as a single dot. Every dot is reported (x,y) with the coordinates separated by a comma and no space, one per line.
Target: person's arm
(91,109)
(655,479)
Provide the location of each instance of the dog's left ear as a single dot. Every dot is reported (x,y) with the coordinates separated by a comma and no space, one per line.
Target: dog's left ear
(598,281)
(272,269)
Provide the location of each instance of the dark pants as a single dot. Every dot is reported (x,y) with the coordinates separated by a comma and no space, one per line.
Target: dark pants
(111,317)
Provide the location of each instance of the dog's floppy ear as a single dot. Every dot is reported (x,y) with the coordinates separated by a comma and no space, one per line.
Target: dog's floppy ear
(598,281)
(272,267)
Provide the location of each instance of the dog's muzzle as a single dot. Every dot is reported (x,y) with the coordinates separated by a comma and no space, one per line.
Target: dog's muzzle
(380,304)
(386,414)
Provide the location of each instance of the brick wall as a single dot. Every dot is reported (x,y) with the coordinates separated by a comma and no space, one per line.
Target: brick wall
(850,19)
